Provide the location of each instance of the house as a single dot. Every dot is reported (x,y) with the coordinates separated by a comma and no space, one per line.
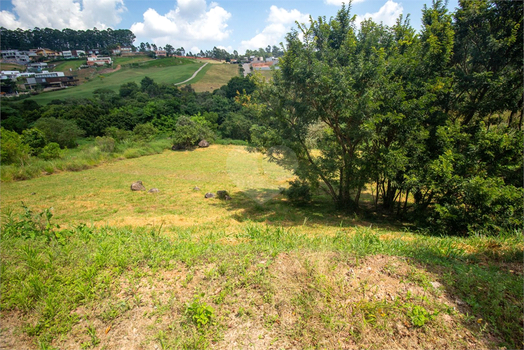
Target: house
(36,67)
(98,60)
(93,52)
(9,74)
(51,79)
(73,54)
(122,50)
(161,53)
(15,56)
(47,53)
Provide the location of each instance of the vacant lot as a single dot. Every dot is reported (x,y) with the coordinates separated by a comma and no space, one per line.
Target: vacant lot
(172,269)
(216,76)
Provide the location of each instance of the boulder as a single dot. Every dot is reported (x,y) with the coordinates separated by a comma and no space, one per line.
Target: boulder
(203,144)
(154,190)
(209,195)
(223,195)
(137,186)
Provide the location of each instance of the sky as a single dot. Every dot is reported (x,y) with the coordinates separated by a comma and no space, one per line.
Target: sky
(199,24)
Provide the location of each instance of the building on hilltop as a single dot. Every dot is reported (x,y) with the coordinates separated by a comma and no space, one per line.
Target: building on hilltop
(98,61)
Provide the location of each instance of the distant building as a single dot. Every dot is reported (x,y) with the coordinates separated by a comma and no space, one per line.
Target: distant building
(161,53)
(73,54)
(51,79)
(48,53)
(98,60)
(15,56)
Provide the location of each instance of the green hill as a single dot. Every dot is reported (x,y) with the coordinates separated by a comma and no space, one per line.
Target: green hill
(170,71)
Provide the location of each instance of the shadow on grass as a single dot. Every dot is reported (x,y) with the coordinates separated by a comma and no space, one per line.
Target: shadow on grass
(269,206)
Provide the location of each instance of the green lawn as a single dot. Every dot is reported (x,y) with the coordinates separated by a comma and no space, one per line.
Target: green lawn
(169,75)
(173,270)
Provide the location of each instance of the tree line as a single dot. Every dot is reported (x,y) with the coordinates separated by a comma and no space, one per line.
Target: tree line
(65,39)
(429,123)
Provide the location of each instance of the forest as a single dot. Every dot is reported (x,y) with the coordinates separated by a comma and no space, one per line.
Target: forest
(430,122)
(66,39)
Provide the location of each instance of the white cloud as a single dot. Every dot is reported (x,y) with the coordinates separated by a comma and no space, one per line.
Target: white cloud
(191,22)
(387,14)
(280,22)
(60,14)
(339,2)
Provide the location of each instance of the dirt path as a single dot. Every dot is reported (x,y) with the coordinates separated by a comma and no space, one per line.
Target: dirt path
(194,74)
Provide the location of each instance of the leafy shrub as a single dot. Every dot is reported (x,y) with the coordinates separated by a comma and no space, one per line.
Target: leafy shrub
(299,192)
(29,225)
(145,131)
(50,151)
(35,139)
(64,132)
(199,312)
(12,149)
(188,133)
(105,143)
(117,134)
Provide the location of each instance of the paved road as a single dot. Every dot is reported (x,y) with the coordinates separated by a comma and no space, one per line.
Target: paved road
(194,74)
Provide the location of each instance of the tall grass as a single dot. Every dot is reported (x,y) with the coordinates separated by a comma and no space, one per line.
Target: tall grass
(86,156)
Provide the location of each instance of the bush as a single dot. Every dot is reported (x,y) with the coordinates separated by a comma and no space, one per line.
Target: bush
(50,151)
(145,132)
(188,133)
(105,143)
(64,132)
(299,192)
(12,149)
(35,139)
(117,134)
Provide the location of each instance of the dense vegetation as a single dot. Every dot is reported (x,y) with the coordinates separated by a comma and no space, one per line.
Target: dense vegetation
(431,121)
(66,39)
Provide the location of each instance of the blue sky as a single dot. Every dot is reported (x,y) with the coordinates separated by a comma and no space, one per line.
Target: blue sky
(198,24)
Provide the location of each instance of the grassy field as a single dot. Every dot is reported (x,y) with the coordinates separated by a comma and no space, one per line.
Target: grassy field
(217,76)
(12,66)
(169,74)
(173,270)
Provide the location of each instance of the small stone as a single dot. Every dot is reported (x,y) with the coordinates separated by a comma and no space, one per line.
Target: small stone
(137,186)
(223,195)
(203,144)
(33,193)
(209,195)
(154,190)
(196,188)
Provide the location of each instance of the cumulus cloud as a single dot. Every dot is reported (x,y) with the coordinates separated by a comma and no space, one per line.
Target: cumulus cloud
(339,2)
(387,14)
(60,14)
(280,22)
(191,22)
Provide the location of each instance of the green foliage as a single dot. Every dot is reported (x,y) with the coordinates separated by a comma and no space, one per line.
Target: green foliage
(117,134)
(199,312)
(298,193)
(105,143)
(35,139)
(145,131)
(236,126)
(30,225)
(12,149)
(419,316)
(50,151)
(190,131)
(63,132)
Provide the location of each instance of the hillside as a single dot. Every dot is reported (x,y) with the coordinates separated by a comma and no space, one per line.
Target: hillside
(125,70)
(175,270)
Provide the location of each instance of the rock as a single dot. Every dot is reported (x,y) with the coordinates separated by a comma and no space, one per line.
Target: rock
(196,188)
(227,198)
(154,190)
(33,193)
(209,195)
(222,194)
(203,144)
(137,186)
